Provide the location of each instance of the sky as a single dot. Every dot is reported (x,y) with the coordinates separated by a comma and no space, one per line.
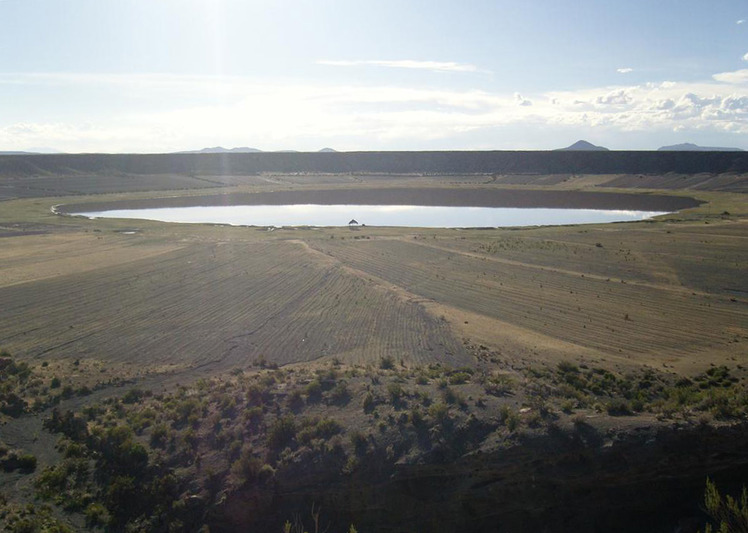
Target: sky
(153,76)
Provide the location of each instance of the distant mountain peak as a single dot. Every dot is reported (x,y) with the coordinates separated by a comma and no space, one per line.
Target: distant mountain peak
(328,150)
(222,150)
(690,147)
(583,145)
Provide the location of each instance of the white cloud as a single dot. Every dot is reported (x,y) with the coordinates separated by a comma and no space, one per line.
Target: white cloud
(521,100)
(436,66)
(237,111)
(736,77)
(618,97)
(624,70)
(741,21)
(745,56)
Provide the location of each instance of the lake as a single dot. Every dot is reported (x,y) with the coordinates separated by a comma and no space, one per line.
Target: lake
(415,216)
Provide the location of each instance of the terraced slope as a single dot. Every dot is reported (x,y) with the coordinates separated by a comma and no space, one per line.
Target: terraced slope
(642,321)
(221,305)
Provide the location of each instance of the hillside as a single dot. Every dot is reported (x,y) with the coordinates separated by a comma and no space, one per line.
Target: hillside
(583,146)
(496,162)
(690,147)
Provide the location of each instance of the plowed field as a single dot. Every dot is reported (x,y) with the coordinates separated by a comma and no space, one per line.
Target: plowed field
(221,305)
(612,305)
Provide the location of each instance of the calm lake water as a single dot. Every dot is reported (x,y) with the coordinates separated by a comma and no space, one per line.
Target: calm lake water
(375,215)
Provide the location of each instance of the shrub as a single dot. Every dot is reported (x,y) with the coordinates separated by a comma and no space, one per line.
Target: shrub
(368,403)
(295,400)
(258,395)
(133,396)
(439,411)
(395,393)
(253,416)
(359,442)
(728,514)
(249,469)
(13,405)
(327,427)
(159,435)
(387,363)
(512,421)
(459,378)
(453,397)
(281,433)
(123,498)
(324,428)
(567,367)
(340,395)
(508,417)
(313,391)
(96,515)
(618,407)
(27,462)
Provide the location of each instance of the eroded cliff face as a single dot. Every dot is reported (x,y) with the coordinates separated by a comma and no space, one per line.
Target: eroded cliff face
(581,480)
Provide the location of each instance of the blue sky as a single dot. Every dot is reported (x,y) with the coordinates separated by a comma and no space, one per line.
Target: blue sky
(168,75)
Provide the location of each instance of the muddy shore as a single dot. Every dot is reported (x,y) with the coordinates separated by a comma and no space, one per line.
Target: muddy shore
(473,197)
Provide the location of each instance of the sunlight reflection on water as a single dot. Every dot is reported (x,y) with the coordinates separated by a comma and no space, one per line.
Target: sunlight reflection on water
(376,215)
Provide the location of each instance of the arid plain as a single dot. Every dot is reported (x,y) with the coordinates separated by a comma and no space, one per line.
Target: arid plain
(152,305)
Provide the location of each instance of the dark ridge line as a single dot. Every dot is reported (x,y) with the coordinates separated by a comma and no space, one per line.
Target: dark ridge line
(437,162)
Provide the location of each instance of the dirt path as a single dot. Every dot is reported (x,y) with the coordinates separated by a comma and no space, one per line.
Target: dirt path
(666,287)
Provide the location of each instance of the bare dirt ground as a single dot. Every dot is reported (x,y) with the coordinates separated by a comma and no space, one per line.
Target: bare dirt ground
(670,294)
(439,354)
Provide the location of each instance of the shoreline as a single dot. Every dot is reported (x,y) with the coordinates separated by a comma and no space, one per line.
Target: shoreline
(473,197)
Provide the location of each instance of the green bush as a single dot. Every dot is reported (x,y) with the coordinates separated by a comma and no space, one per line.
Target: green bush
(567,367)
(295,400)
(281,433)
(729,515)
(369,403)
(27,462)
(618,407)
(133,396)
(439,411)
(340,395)
(159,435)
(359,442)
(96,515)
(313,391)
(459,378)
(395,393)
(387,363)
(249,469)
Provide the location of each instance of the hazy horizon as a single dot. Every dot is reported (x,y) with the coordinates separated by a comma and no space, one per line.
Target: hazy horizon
(145,77)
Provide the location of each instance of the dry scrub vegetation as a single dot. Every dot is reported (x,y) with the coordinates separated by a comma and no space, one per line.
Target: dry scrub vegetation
(173,461)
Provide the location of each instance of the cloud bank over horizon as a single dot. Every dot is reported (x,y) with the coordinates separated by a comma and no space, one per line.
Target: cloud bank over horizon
(296,115)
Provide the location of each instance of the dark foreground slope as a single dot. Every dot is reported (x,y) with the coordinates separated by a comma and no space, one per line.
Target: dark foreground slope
(614,162)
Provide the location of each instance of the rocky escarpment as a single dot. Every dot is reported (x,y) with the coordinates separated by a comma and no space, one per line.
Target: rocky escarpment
(581,480)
